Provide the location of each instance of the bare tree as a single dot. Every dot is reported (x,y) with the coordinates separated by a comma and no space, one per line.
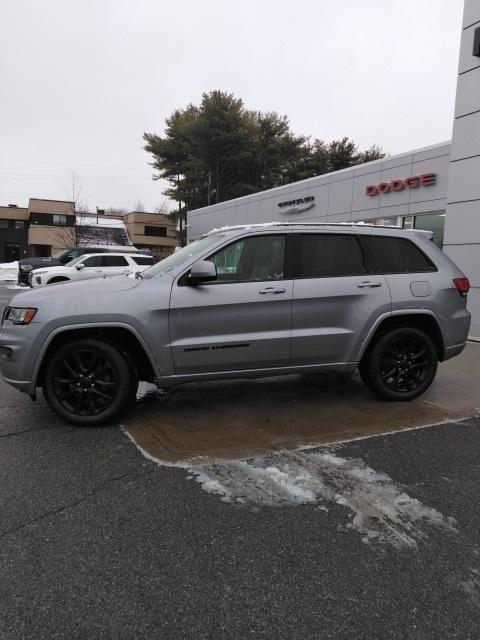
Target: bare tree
(68,237)
(139,206)
(162,209)
(76,193)
(116,211)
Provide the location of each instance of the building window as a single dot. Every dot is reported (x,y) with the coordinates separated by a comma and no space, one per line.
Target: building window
(155,231)
(3,224)
(60,221)
(19,224)
(434,222)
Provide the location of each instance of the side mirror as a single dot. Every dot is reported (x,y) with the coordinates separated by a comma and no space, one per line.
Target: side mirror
(80,266)
(202,271)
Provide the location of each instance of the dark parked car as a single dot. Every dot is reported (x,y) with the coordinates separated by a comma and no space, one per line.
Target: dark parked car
(27,265)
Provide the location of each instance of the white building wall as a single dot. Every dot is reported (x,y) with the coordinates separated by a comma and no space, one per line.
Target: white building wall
(462,227)
(339,196)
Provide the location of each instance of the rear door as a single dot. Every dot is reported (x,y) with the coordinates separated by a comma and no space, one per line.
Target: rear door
(335,300)
(243,319)
(113,265)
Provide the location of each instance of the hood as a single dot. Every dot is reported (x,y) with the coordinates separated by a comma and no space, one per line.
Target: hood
(36,263)
(76,289)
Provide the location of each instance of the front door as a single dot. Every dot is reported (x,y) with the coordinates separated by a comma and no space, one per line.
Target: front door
(12,251)
(335,300)
(242,320)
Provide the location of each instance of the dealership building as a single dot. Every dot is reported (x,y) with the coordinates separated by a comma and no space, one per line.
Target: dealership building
(436,188)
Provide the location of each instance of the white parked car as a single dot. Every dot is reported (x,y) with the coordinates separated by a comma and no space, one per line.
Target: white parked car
(91,265)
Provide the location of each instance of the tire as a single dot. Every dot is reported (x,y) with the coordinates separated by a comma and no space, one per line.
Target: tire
(401,365)
(55,280)
(89,382)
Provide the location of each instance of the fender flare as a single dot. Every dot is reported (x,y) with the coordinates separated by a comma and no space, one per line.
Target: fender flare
(399,312)
(90,325)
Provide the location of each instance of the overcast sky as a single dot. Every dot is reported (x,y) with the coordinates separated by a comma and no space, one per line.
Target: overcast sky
(81,80)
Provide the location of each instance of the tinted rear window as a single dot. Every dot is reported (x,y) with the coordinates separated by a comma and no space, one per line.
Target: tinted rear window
(328,255)
(140,260)
(395,255)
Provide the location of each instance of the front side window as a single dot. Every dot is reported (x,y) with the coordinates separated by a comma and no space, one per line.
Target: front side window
(182,255)
(395,255)
(91,261)
(257,258)
(322,255)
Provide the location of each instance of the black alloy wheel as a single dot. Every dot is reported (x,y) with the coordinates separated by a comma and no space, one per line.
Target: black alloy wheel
(401,365)
(89,382)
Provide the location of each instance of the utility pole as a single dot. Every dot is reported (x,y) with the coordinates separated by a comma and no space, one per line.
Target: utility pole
(218,181)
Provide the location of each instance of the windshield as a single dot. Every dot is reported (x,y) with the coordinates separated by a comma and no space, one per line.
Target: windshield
(179,257)
(76,260)
(59,255)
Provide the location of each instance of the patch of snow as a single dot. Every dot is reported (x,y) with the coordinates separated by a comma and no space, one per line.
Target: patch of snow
(91,221)
(9,271)
(382,511)
(472,587)
(145,388)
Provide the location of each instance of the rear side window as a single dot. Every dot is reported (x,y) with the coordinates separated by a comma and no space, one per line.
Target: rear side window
(114,261)
(328,255)
(395,255)
(141,260)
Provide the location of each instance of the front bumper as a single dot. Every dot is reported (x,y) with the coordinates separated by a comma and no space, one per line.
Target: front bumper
(17,369)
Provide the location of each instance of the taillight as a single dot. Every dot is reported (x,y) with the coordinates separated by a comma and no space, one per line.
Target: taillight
(463,286)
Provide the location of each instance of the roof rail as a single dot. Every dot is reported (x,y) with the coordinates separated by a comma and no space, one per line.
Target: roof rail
(262,225)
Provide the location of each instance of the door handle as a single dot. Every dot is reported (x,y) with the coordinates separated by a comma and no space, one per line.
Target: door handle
(368,285)
(271,290)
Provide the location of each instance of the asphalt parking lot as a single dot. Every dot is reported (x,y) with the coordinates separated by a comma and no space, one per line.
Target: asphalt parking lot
(375,538)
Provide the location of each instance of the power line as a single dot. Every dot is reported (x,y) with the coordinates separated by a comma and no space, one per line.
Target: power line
(69,164)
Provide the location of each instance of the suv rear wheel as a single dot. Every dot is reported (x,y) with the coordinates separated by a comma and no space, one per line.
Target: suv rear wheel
(401,365)
(89,382)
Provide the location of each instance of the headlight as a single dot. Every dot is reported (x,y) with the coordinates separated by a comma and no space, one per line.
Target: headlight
(17,315)
(26,267)
(39,273)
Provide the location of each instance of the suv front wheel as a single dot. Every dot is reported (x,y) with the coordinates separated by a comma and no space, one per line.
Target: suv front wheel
(89,382)
(401,365)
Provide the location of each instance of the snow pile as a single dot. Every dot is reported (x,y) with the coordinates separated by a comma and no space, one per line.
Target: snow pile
(379,509)
(9,271)
(472,587)
(91,221)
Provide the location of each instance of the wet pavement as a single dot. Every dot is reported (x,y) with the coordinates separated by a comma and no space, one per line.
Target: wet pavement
(232,419)
(372,539)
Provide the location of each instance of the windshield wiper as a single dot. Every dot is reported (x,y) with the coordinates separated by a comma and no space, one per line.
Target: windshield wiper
(138,275)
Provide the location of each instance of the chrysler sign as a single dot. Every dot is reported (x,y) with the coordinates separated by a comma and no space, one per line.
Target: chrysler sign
(298,205)
(425,180)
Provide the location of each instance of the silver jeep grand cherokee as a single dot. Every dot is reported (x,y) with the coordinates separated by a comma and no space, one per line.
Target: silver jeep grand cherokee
(243,301)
